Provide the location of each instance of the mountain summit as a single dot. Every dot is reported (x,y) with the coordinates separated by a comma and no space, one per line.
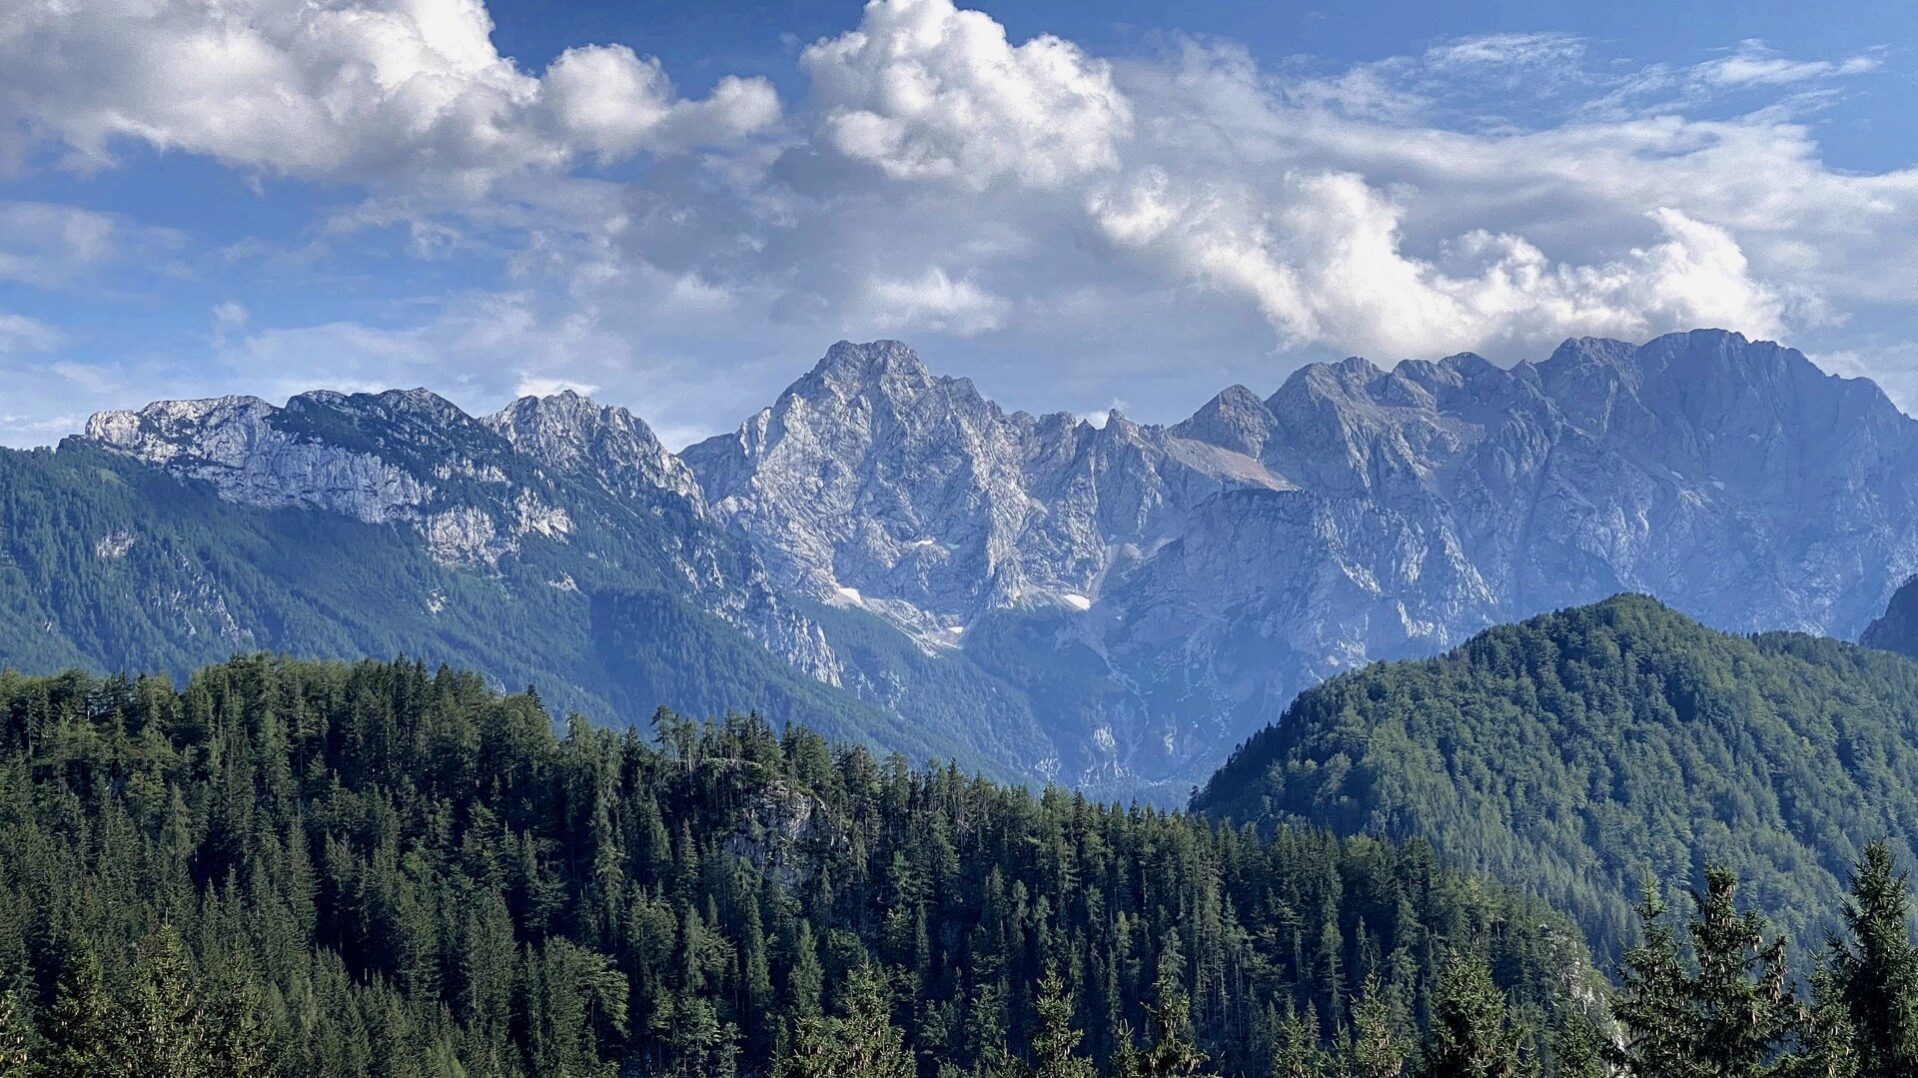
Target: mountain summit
(1111,606)
(1209,570)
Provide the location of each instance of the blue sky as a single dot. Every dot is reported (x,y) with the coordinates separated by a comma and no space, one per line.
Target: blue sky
(1080,206)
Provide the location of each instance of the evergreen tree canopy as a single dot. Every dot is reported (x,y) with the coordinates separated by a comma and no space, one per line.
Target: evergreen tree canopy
(311,868)
(1577,753)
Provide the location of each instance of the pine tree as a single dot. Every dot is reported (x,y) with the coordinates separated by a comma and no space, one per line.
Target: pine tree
(79,1034)
(1376,1050)
(1653,1001)
(1876,976)
(1056,1040)
(1295,1050)
(1577,1045)
(14,1035)
(1172,1053)
(1741,995)
(235,1033)
(1829,1043)
(805,980)
(164,1031)
(862,1044)
(1470,1035)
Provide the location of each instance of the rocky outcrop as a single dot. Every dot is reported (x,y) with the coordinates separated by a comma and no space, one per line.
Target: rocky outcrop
(1149,594)
(873,483)
(1897,628)
(573,435)
(555,470)
(1220,565)
(242,446)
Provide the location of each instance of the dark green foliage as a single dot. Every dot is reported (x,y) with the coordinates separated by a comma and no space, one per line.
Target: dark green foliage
(1377,1049)
(1471,1033)
(862,1044)
(379,869)
(1717,1003)
(1056,1042)
(1875,975)
(81,1032)
(106,564)
(1578,753)
(1170,1052)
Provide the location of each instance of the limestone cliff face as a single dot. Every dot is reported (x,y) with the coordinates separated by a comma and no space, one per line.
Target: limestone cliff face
(557,470)
(1220,565)
(1145,596)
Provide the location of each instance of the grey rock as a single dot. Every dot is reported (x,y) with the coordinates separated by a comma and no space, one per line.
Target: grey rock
(1222,564)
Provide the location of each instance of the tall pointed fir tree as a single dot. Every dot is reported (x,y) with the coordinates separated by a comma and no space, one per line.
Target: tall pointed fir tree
(1470,1033)
(863,1043)
(1653,999)
(1875,975)
(81,1029)
(1376,1049)
(1742,997)
(1055,1043)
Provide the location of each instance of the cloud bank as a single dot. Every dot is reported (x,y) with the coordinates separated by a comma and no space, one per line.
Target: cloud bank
(1073,223)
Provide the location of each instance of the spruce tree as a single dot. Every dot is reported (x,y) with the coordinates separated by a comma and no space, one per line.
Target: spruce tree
(1745,1006)
(1376,1050)
(1296,1052)
(164,1034)
(862,1044)
(1653,1001)
(81,1030)
(234,1027)
(1056,1040)
(1470,1034)
(1577,1044)
(1171,1053)
(1829,1042)
(14,1036)
(1876,974)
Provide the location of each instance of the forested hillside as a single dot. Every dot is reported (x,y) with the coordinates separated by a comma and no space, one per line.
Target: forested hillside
(1580,752)
(377,869)
(106,564)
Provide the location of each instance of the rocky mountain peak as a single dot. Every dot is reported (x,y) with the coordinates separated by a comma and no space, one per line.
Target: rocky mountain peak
(888,367)
(1236,419)
(573,433)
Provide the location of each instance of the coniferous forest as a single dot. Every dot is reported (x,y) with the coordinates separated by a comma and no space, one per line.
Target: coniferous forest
(301,868)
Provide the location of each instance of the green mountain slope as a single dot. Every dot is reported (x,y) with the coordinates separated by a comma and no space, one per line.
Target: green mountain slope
(375,869)
(108,564)
(1578,752)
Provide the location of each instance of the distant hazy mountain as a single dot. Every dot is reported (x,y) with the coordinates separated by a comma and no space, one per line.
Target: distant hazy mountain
(889,555)
(1897,628)
(1580,752)
(554,544)
(1179,585)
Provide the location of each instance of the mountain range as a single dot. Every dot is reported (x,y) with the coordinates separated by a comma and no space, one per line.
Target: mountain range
(887,555)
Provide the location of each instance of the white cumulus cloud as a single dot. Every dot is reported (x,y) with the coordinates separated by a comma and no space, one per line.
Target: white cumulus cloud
(924,89)
(362,91)
(931,302)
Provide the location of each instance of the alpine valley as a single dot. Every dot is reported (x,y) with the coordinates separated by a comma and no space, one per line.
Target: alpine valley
(887,556)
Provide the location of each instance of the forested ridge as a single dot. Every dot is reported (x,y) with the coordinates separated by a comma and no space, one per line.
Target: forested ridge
(311,868)
(1578,753)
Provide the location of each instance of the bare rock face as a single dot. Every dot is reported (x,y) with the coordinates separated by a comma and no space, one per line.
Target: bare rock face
(1218,566)
(875,484)
(1148,595)
(237,444)
(554,470)
(571,434)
